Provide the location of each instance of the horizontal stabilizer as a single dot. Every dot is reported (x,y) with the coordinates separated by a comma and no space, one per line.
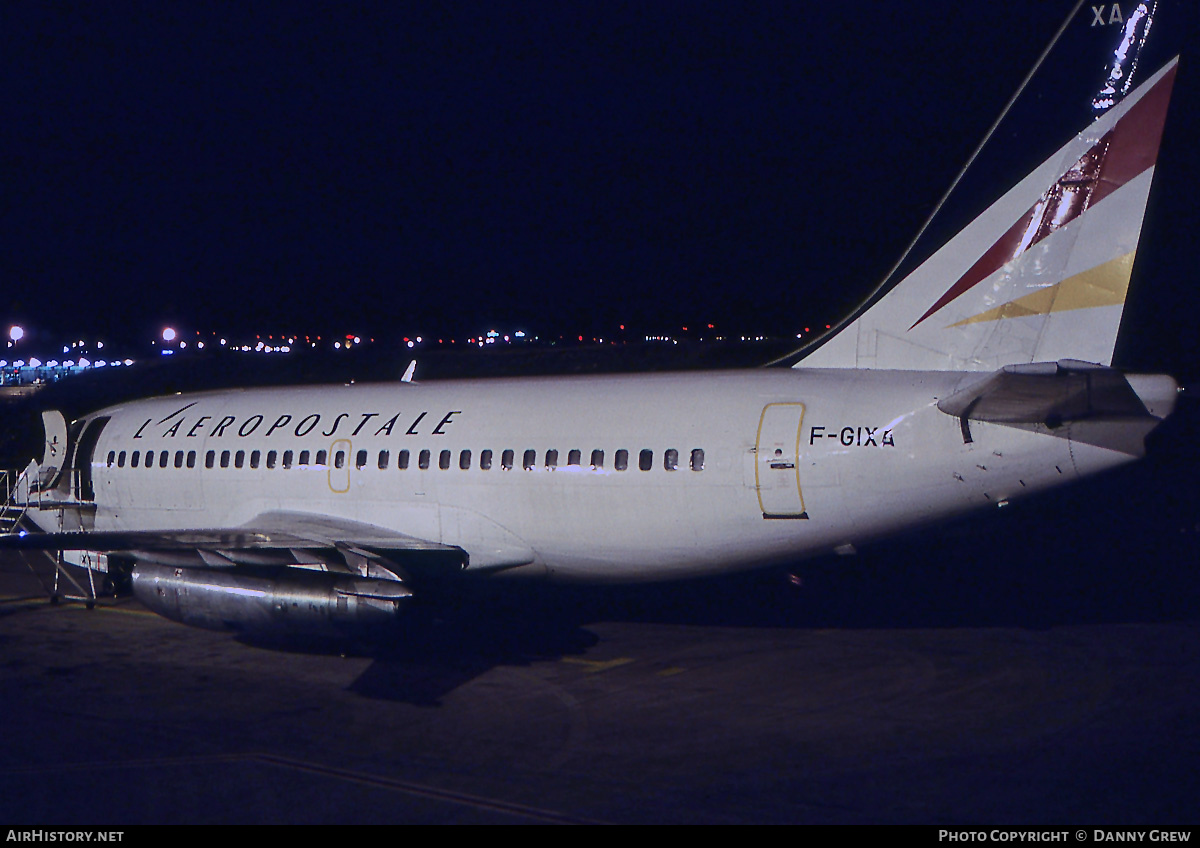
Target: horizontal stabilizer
(1050,393)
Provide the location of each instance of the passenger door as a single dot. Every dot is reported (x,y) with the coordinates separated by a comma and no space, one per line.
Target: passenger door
(777,461)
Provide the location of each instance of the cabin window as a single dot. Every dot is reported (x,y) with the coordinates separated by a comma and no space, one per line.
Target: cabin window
(698,459)
(444,460)
(304,457)
(384,457)
(112,458)
(179,459)
(272,456)
(339,459)
(134,458)
(597,459)
(529,460)
(402,460)
(423,459)
(506,460)
(485,459)
(671,460)
(464,460)
(225,459)
(360,460)
(287,459)
(646,460)
(574,456)
(210,459)
(191,459)
(322,458)
(163,458)
(121,459)
(621,462)
(239,459)
(552,459)
(255,458)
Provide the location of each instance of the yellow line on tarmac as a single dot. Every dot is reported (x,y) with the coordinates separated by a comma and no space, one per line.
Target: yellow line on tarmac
(22,599)
(594,666)
(66,603)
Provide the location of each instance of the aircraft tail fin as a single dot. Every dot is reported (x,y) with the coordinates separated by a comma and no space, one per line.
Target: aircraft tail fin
(1041,275)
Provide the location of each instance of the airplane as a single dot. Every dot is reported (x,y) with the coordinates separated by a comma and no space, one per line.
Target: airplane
(983,376)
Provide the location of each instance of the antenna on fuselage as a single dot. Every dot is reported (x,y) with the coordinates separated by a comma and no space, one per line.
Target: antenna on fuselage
(409,371)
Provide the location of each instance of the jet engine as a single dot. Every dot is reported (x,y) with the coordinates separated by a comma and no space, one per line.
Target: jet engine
(270,601)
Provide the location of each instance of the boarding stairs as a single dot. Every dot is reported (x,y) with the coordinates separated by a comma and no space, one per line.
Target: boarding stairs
(12,510)
(20,492)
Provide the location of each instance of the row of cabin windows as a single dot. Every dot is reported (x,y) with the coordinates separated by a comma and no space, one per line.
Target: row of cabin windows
(529,459)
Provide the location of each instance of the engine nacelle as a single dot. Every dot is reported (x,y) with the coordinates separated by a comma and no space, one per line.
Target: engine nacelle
(277,601)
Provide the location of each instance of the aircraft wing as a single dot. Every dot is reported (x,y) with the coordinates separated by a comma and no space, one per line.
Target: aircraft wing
(268,538)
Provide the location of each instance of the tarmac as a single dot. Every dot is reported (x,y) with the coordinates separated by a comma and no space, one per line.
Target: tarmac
(669,705)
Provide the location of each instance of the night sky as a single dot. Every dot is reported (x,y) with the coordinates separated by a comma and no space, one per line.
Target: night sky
(440,169)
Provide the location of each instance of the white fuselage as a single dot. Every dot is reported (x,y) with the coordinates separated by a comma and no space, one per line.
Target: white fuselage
(768,465)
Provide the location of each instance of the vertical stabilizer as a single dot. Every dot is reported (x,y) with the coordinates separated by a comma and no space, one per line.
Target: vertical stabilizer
(1041,275)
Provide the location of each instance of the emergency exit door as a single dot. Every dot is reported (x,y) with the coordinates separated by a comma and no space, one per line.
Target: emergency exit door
(777,461)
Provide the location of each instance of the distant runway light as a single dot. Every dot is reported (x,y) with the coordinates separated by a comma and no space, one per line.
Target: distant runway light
(16,333)
(168,334)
